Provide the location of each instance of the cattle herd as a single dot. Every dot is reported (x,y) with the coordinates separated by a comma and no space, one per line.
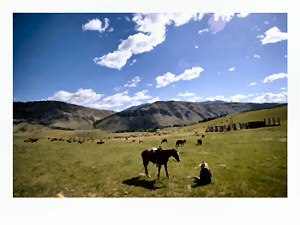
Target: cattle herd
(178,143)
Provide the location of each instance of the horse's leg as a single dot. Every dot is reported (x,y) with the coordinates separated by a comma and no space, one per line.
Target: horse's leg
(166,168)
(159,166)
(146,170)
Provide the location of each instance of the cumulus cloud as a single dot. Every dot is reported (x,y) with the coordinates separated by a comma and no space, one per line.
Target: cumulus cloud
(234,98)
(175,99)
(186,94)
(273,35)
(231,69)
(168,78)
(256,56)
(153,100)
(218,20)
(273,77)
(96,24)
(89,98)
(251,84)
(151,32)
(133,82)
(203,31)
(195,99)
(242,15)
(133,62)
(84,97)
(271,97)
(196,46)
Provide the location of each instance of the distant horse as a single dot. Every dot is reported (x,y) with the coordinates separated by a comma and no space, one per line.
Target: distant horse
(164,140)
(141,141)
(180,142)
(159,157)
(199,142)
(100,142)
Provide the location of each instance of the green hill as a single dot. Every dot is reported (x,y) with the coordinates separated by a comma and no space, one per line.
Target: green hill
(57,115)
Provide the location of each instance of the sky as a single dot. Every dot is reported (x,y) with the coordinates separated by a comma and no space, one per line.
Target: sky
(116,60)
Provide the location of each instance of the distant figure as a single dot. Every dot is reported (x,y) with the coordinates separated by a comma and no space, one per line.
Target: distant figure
(140,141)
(164,140)
(205,175)
(199,142)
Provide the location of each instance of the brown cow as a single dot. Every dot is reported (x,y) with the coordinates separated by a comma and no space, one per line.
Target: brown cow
(180,142)
(164,140)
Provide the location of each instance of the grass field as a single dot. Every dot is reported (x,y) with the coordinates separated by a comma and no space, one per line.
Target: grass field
(244,163)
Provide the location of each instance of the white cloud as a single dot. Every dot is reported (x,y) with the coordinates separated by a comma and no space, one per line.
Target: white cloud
(273,77)
(89,98)
(149,85)
(133,82)
(133,62)
(242,15)
(153,100)
(196,46)
(195,99)
(203,31)
(266,22)
(189,74)
(234,98)
(127,19)
(256,56)
(96,24)
(271,97)
(283,88)
(111,29)
(218,20)
(186,94)
(84,97)
(151,32)
(175,99)
(121,99)
(260,36)
(251,84)
(273,35)
(231,69)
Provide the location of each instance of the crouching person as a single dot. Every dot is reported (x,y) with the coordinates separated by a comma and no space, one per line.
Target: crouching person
(205,175)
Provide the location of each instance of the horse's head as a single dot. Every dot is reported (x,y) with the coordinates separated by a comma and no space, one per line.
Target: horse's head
(175,154)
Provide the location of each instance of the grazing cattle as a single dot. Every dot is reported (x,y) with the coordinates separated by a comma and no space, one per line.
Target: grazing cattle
(199,142)
(133,140)
(100,142)
(203,135)
(180,142)
(31,140)
(159,157)
(141,141)
(164,140)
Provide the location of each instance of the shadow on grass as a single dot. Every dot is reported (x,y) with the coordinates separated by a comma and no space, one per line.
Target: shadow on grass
(138,182)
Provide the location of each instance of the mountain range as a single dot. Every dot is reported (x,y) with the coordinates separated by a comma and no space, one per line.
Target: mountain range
(146,117)
(171,113)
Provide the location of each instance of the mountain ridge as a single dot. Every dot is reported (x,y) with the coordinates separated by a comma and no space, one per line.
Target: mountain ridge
(162,114)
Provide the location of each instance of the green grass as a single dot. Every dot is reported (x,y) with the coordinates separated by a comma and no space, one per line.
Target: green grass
(244,163)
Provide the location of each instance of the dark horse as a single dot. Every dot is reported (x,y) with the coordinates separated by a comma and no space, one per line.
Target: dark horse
(159,157)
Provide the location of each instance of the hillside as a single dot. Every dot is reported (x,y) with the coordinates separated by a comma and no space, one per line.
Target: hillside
(171,113)
(58,115)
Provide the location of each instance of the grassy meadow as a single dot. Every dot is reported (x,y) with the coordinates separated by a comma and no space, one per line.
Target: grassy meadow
(244,163)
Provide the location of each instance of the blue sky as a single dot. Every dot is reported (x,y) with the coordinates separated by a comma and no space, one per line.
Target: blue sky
(113,61)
